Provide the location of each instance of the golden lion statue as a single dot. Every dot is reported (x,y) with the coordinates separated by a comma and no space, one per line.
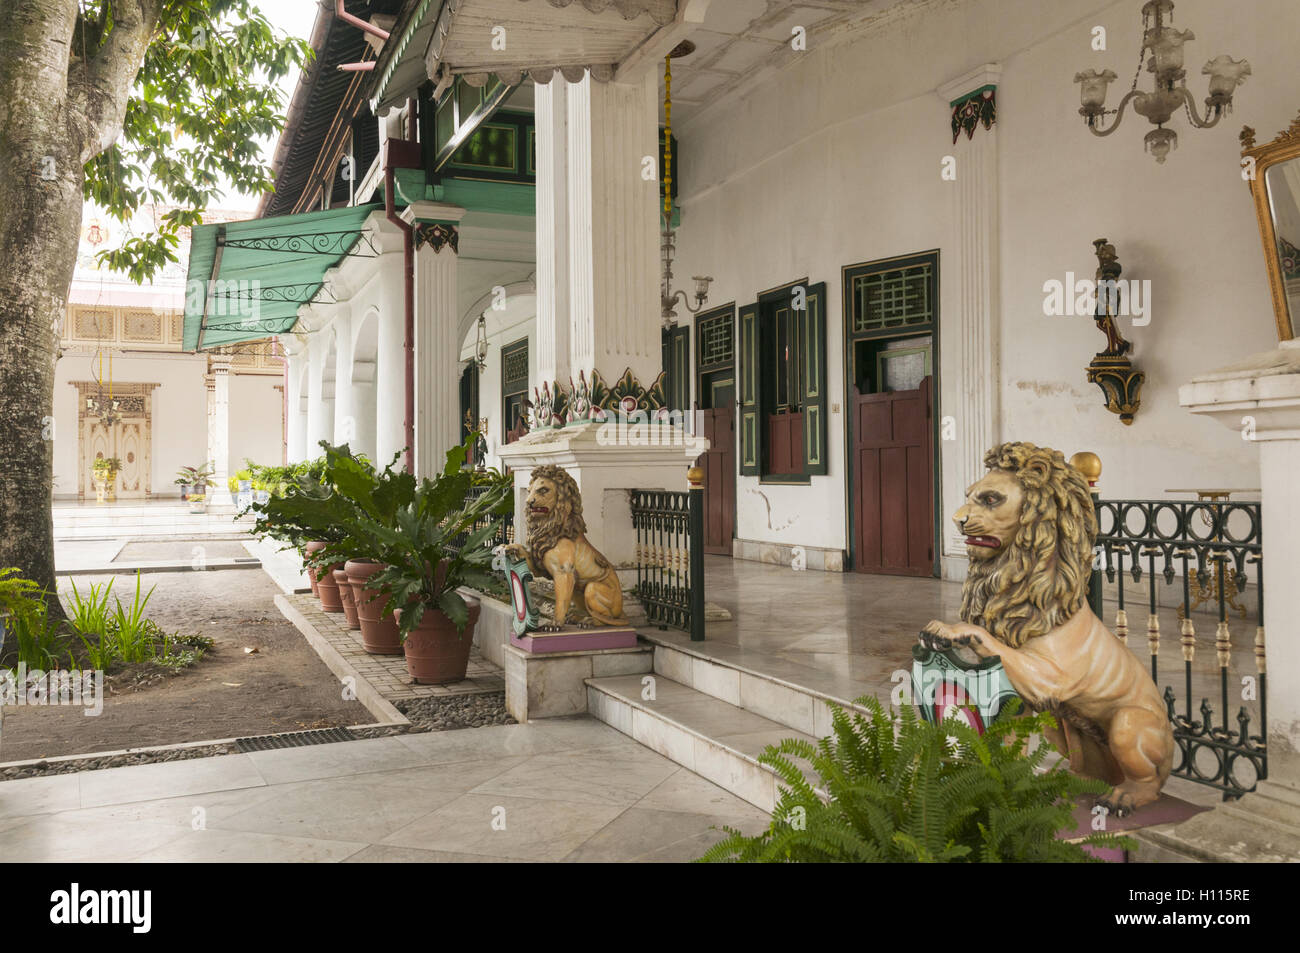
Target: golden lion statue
(558,549)
(1030,525)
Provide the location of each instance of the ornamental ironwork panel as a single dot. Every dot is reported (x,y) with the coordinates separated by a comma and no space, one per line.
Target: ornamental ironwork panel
(505,530)
(669,527)
(1217,549)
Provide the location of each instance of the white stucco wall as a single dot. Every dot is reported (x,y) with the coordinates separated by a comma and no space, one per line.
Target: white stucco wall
(256,430)
(836,160)
(179,434)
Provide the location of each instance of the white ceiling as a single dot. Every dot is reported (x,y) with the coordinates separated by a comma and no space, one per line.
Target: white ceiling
(740,38)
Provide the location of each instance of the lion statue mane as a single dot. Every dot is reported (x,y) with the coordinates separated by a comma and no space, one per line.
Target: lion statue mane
(558,549)
(563,522)
(1041,579)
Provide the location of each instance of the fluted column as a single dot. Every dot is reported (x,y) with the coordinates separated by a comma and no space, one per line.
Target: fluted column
(437,349)
(390,367)
(613,230)
(552,227)
(970,366)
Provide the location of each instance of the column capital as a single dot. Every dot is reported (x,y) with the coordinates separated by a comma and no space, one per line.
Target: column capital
(961,87)
(432,213)
(972,97)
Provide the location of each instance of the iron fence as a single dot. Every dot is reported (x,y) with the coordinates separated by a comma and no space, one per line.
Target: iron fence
(1217,546)
(505,531)
(669,527)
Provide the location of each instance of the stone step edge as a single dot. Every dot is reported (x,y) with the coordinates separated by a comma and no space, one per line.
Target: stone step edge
(763,801)
(815,694)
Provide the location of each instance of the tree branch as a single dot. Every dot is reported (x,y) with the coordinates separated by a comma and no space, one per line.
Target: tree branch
(99,98)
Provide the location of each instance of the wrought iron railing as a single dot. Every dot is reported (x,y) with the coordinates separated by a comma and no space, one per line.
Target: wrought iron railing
(1217,547)
(669,527)
(505,532)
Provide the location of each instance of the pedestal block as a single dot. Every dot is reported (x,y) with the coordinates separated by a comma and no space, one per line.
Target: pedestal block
(1260,399)
(606,460)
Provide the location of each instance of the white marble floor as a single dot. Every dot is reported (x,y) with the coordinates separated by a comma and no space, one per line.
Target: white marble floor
(554,790)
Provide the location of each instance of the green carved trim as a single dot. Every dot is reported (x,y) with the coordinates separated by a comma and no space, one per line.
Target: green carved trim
(976,108)
(438,235)
(554,407)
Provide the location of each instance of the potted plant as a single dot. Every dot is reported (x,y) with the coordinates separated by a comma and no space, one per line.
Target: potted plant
(439,542)
(307,517)
(198,502)
(193,479)
(105,470)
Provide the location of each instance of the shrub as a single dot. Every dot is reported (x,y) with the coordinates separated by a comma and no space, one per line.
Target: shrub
(897,788)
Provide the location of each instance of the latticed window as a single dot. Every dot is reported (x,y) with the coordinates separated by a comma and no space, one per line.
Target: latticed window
(897,298)
(716,340)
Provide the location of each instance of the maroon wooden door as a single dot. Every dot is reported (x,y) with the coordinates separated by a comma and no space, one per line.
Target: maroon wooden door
(893,482)
(718,425)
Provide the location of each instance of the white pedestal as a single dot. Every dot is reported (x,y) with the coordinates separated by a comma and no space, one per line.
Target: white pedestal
(1260,398)
(606,461)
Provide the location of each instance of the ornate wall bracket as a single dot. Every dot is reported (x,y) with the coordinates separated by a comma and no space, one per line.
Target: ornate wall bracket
(1111,369)
(1120,383)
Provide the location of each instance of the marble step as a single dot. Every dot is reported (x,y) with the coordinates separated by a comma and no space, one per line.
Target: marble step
(795,701)
(717,740)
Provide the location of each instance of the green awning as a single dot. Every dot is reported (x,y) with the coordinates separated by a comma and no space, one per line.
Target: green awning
(247,280)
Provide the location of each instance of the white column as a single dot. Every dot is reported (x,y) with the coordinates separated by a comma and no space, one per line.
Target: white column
(345,409)
(437,347)
(552,224)
(320,415)
(219,432)
(613,230)
(295,399)
(970,367)
(390,365)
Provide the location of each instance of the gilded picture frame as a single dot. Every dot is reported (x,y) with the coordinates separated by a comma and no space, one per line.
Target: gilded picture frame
(1256,161)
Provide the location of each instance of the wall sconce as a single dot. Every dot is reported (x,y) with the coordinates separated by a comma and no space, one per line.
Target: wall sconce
(1111,370)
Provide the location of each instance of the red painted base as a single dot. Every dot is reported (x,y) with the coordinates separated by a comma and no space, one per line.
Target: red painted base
(575,640)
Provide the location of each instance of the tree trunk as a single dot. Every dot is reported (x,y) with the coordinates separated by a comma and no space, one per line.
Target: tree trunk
(40,221)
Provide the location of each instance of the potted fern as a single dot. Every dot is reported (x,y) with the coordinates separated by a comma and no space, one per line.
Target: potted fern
(894,788)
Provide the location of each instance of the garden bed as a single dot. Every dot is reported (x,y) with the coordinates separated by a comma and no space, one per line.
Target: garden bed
(229,693)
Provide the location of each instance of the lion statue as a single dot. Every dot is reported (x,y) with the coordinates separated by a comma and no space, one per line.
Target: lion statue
(558,549)
(1030,525)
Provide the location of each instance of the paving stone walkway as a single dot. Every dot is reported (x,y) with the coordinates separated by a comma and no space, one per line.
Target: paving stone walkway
(564,789)
(387,673)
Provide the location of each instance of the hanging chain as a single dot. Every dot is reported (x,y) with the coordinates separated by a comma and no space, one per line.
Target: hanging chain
(668,138)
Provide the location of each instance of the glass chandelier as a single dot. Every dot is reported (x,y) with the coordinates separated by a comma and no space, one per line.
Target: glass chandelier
(1165,44)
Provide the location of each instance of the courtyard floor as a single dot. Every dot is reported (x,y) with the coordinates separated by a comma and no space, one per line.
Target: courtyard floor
(568,789)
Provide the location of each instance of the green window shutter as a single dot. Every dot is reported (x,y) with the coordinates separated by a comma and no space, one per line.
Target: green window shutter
(677,367)
(751,420)
(812,350)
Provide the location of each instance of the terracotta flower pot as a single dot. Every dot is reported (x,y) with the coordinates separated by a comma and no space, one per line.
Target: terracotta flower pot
(436,653)
(328,590)
(345,595)
(379,635)
(311,572)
